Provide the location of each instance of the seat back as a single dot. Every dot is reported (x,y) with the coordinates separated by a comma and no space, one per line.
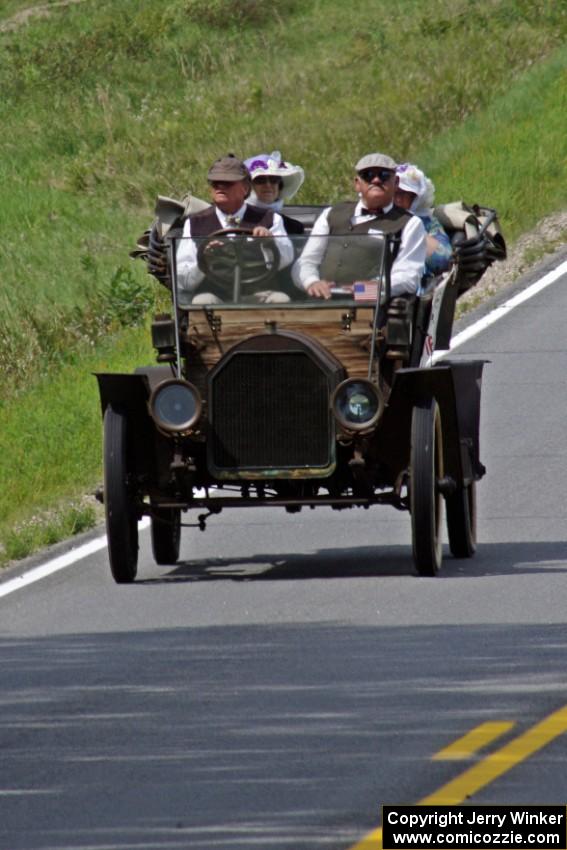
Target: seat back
(306,214)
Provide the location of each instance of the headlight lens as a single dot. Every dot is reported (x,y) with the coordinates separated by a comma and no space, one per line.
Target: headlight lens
(357,404)
(175,406)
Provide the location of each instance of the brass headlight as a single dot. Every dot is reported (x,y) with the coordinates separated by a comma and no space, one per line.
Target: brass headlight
(175,406)
(357,404)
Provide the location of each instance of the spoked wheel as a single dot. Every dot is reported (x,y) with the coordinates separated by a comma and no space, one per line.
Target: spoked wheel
(426,468)
(166,535)
(121,518)
(461,521)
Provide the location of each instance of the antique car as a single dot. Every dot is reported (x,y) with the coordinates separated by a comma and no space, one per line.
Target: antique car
(294,403)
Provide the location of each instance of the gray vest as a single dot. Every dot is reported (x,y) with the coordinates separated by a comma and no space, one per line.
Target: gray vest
(356,259)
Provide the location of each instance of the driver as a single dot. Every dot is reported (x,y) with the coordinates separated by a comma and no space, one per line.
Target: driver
(230,186)
(324,265)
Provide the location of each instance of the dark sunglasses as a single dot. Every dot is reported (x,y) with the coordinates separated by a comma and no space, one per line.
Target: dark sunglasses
(369,174)
(266,179)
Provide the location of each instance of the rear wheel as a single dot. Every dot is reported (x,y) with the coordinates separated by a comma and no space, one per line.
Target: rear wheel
(426,468)
(166,534)
(461,521)
(120,508)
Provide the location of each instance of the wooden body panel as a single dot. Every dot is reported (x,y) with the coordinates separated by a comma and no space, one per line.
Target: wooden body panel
(345,331)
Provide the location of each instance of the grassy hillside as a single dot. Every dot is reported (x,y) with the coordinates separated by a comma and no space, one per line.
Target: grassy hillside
(106,104)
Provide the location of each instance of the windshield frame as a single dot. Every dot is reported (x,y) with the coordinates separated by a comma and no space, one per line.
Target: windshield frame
(379,283)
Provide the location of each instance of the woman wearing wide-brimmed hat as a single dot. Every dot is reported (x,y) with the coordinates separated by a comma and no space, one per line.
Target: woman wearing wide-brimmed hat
(275,181)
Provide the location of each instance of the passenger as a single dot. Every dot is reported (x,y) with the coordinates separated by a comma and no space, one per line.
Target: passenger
(318,269)
(230,186)
(416,193)
(275,181)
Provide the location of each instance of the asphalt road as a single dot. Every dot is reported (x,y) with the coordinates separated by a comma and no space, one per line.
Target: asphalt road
(291,674)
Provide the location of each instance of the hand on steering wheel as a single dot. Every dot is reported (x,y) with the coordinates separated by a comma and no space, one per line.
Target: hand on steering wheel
(237,252)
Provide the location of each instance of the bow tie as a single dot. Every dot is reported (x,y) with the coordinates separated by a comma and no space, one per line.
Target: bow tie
(364,211)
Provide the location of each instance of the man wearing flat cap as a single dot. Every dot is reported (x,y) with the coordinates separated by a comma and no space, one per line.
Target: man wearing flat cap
(325,264)
(230,185)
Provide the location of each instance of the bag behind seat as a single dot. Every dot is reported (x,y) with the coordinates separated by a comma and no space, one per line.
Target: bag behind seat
(476,237)
(458,217)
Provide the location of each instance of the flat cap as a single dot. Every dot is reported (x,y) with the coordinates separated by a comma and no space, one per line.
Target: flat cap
(228,168)
(376,160)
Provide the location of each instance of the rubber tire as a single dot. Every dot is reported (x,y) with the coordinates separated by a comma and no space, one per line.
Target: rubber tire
(426,467)
(166,534)
(461,521)
(121,519)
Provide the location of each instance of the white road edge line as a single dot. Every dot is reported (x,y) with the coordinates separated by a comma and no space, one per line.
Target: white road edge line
(53,566)
(503,309)
(74,555)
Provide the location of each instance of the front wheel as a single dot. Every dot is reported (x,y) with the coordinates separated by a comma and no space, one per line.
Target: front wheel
(426,468)
(166,535)
(461,521)
(120,509)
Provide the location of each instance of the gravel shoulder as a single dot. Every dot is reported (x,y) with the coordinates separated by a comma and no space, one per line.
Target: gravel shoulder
(527,258)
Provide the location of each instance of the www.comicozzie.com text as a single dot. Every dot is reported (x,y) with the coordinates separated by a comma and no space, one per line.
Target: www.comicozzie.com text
(475,827)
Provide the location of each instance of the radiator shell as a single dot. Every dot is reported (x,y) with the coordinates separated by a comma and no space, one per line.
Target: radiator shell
(269,410)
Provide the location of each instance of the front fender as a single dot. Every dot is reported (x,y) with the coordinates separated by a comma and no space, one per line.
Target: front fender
(130,391)
(456,386)
(129,394)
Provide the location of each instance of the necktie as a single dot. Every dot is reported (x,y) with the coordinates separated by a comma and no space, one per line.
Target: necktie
(232,221)
(364,211)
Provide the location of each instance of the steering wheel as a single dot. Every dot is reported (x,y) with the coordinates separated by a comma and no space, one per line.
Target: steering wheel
(238,263)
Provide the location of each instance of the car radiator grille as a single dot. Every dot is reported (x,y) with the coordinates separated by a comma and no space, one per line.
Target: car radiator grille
(270,410)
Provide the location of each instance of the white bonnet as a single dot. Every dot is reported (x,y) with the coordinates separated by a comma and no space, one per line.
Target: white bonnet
(412,179)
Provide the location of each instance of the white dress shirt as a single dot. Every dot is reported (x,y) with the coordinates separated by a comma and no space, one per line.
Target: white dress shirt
(407,268)
(189,275)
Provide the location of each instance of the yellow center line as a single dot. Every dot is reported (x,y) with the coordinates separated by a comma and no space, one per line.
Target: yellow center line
(474,740)
(503,760)
(487,770)
(373,841)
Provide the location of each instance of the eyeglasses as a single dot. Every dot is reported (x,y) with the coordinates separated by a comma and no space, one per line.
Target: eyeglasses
(266,179)
(369,174)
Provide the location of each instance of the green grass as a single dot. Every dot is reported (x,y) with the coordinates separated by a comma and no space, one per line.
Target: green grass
(111,103)
(512,155)
(12,7)
(107,104)
(50,444)
(48,434)
(46,529)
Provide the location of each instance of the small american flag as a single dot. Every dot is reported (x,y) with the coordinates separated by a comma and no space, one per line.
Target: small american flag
(365,291)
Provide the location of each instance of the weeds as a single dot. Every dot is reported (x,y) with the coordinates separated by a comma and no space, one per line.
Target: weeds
(227,14)
(129,297)
(50,439)
(535,252)
(46,529)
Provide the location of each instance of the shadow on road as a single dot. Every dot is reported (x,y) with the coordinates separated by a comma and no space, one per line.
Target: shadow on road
(272,736)
(369,561)
(288,566)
